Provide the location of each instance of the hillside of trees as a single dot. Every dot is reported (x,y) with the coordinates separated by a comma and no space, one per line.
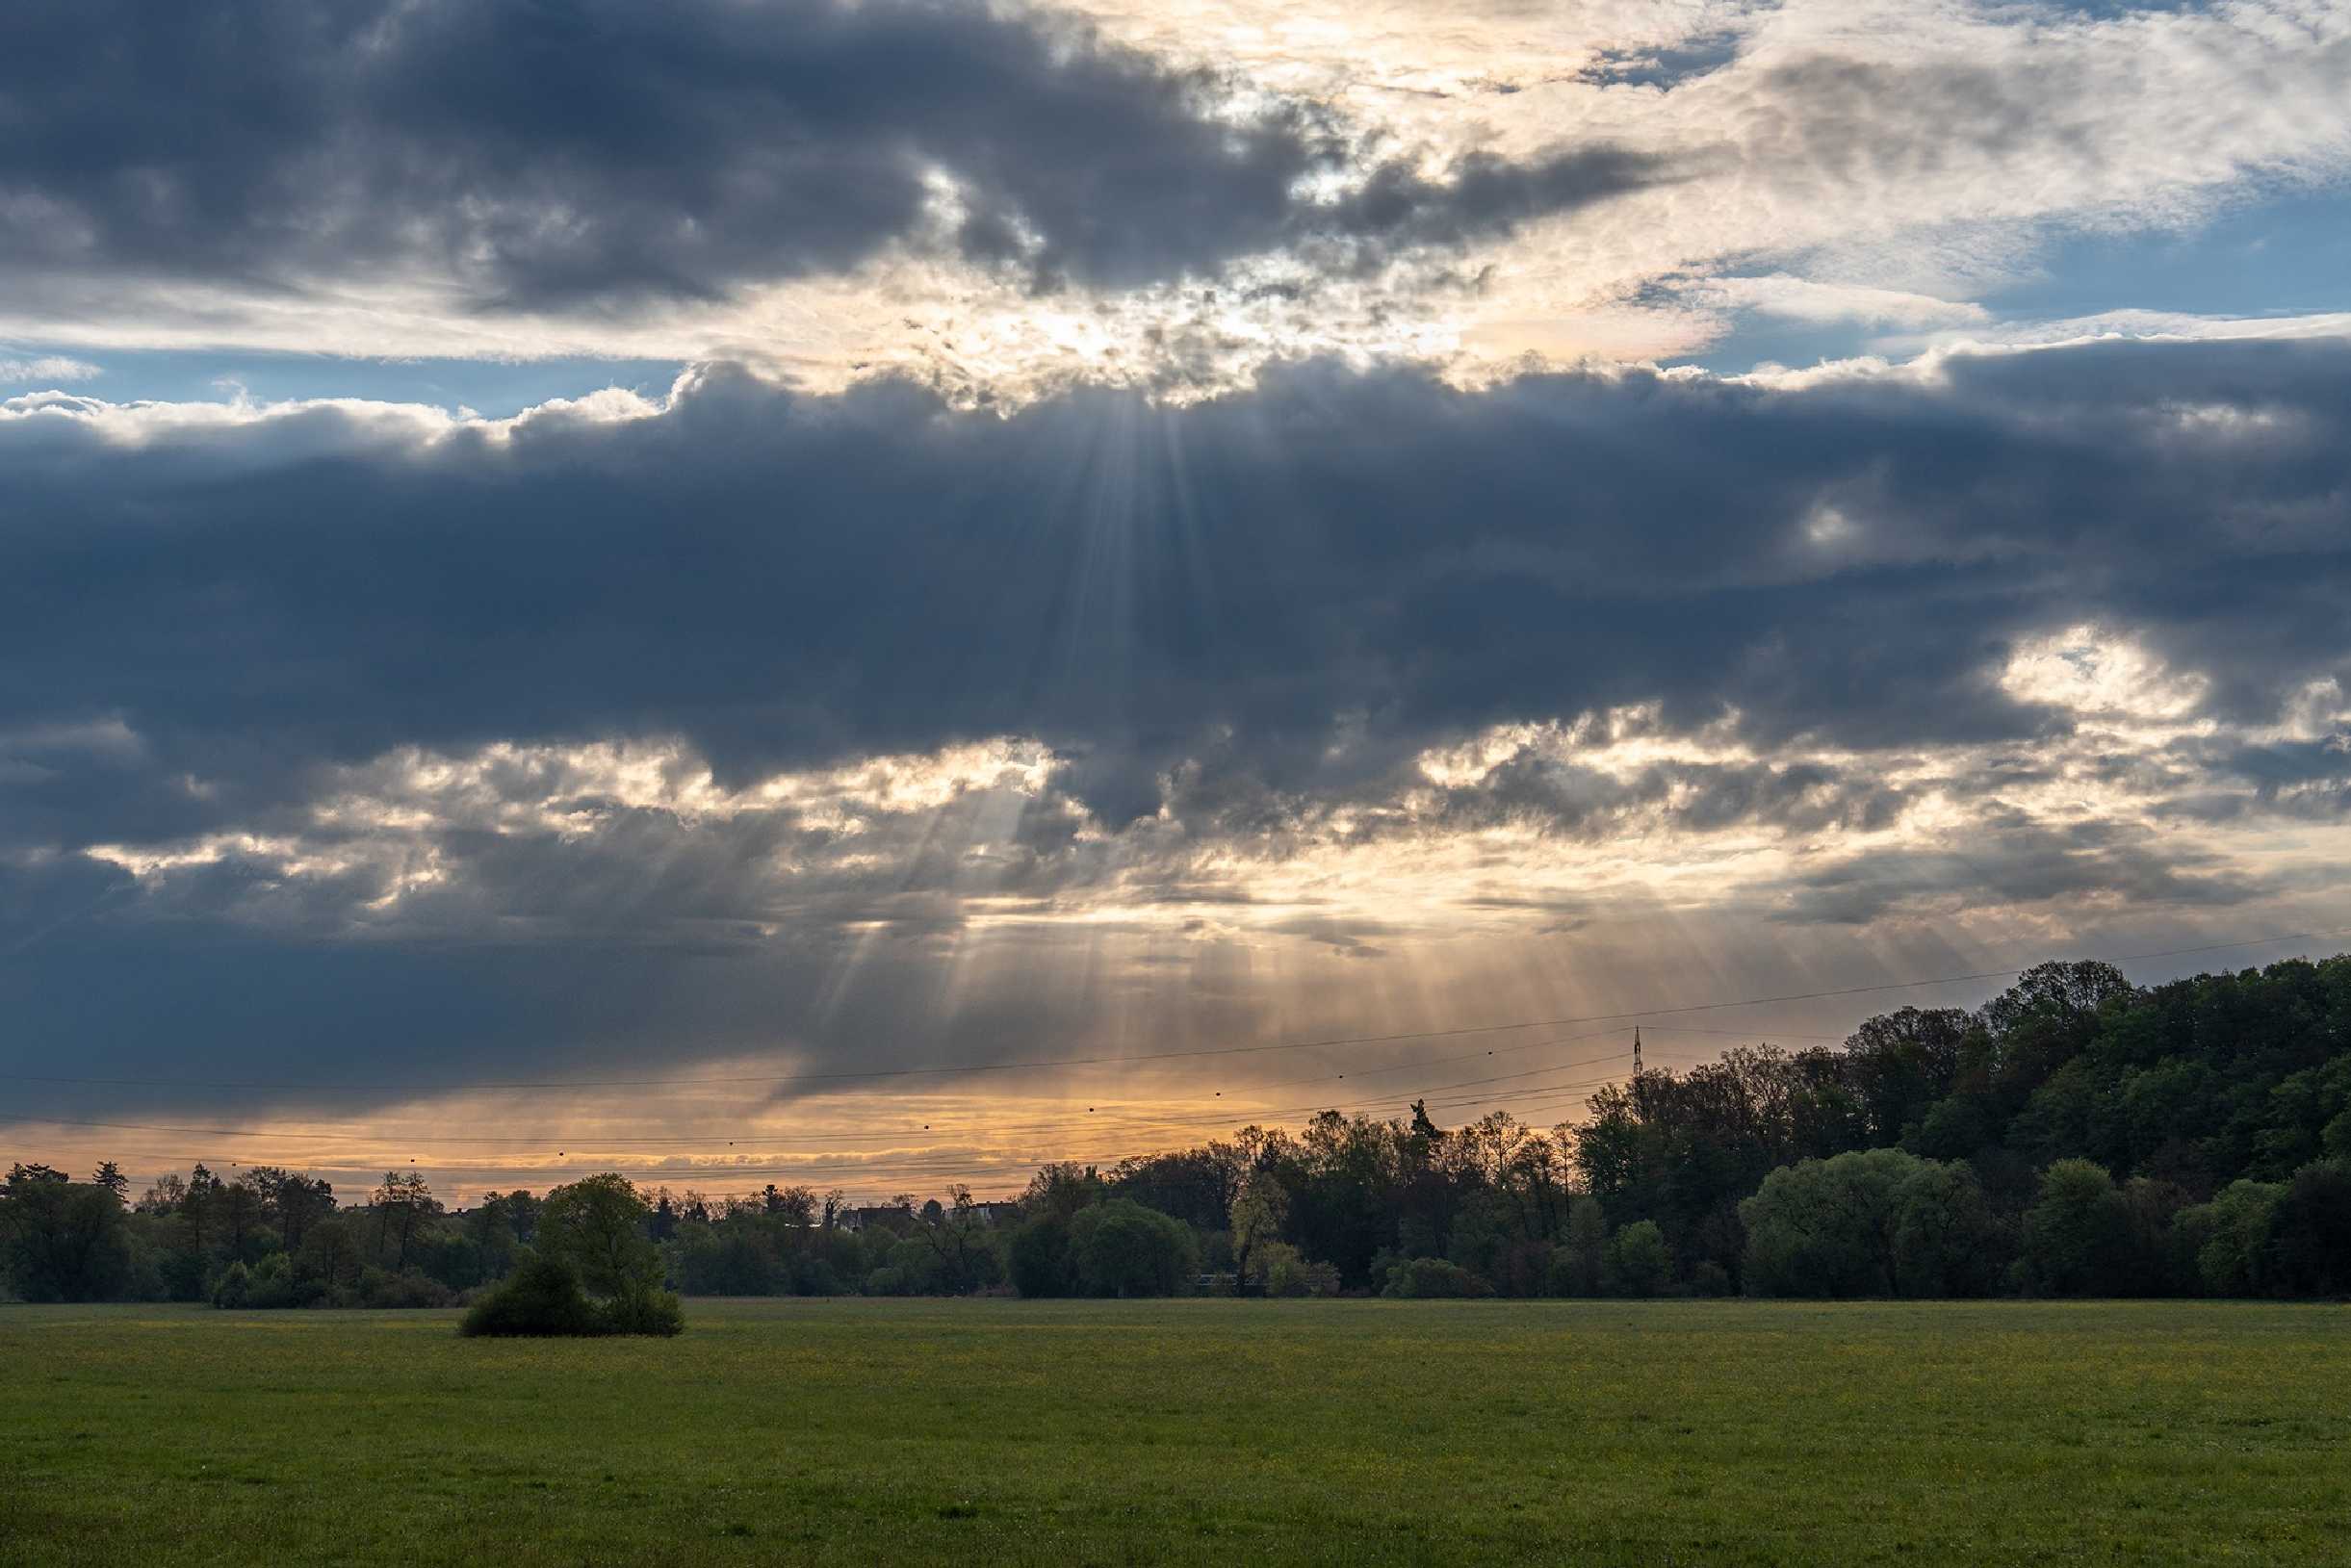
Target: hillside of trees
(2076,1136)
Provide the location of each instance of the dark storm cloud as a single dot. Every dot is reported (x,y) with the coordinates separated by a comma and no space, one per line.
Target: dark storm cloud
(540,154)
(1482,196)
(1299,588)
(1252,614)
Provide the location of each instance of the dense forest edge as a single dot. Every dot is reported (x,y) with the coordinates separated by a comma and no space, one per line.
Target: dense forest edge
(2077,1136)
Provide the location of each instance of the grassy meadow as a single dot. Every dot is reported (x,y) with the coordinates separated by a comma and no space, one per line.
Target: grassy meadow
(965,1431)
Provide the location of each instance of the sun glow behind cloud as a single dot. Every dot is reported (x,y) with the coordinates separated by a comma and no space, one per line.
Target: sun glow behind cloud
(1881,165)
(1459,903)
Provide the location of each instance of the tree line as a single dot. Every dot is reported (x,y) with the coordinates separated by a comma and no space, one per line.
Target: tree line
(2076,1136)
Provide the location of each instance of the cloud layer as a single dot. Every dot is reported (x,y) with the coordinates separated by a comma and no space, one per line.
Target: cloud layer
(1005,200)
(623,717)
(528,157)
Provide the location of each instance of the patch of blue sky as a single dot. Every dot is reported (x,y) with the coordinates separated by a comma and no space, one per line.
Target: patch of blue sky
(1758,339)
(2289,254)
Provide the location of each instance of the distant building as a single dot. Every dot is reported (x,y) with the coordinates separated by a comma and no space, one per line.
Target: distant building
(892,1217)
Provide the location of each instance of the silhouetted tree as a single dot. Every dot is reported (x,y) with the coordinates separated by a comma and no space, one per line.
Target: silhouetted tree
(110,1177)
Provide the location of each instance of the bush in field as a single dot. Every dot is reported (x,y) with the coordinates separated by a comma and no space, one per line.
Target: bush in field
(596,1225)
(651,1312)
(1432,1278)
(592,1235)
(541,1298)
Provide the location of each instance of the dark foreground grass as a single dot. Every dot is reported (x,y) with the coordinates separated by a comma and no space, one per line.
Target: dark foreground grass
(1235,1432)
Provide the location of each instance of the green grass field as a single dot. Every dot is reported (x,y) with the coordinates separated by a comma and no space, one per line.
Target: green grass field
(860,1432)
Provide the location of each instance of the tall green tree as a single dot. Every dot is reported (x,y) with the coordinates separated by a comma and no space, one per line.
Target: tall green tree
(598,1226)
(63,1241)
(1258,1208)
(1122,1248)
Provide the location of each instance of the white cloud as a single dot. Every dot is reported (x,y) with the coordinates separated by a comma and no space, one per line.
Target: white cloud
(2156,326)
(1879,160)
(1802,300)
(49,368)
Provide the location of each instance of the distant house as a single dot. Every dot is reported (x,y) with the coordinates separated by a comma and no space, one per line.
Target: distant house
(890,1217)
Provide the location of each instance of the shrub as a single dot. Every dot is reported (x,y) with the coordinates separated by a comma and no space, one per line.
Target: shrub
(234,1288)
(271,1283)
(1290,1273)
(1432,1278)
(541,1298)
(644,1312)
(379,1288)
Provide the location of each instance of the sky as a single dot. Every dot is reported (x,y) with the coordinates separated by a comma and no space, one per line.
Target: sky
(872,594)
